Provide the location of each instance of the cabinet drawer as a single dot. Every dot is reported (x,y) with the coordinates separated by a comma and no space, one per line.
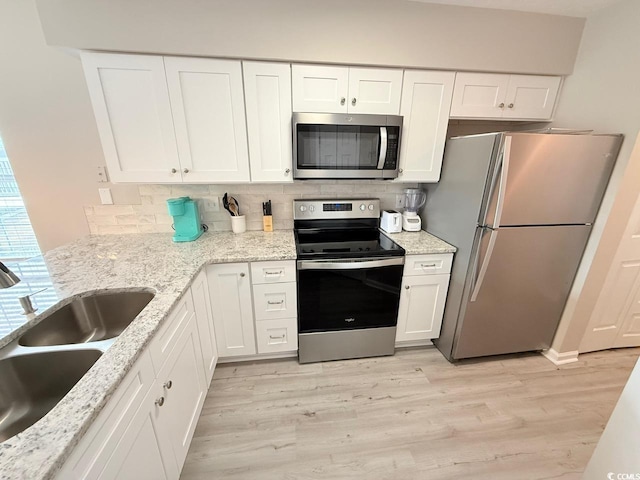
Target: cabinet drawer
(273,272)
(169,332)
(275,301)
(428,264)
(277,335)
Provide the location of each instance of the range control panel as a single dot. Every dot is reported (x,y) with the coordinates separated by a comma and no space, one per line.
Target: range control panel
(309,209)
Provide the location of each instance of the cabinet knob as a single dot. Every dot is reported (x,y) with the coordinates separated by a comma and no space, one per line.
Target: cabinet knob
(160,401)
(407,287)
(242,274)
(510,105)
(501,105)
(168,384)
(353,101)
(186,170)
(400,171)
(173,170)
(342,101)
(286,172)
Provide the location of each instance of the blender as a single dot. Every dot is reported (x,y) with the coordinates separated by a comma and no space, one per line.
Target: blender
(414,199)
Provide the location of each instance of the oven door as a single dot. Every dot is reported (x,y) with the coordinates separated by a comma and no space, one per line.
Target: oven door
(348,294)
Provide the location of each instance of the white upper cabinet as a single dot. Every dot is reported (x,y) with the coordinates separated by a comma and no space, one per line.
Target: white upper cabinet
(530,96)
(319,88)
(374,90)
(267,92)
(327,89)
(207,103)
(500,96)
(479,95)
(131,105)
(426,100)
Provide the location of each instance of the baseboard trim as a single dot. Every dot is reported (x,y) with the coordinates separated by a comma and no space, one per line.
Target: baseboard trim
(562,358)
(414,343)
(259,356)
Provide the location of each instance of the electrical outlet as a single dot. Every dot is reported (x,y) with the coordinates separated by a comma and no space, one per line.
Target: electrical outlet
(400,200)
(212,204)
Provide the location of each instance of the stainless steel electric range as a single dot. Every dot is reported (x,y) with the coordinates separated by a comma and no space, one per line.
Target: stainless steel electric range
(349,279)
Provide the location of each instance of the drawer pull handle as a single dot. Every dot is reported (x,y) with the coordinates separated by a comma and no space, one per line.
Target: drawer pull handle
(273,274)
(168,384)
(160,401)
(428,265)
(281,337)
(269,302)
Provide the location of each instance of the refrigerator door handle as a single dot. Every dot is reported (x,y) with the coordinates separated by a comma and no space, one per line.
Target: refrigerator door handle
(485,265)
(504,172)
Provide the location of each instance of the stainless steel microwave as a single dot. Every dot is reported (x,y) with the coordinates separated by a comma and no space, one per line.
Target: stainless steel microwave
(337,145)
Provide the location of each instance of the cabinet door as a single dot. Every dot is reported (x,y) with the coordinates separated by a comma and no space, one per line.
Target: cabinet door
(131,105)
(426,101)
(421,307)
(183,387)
(207,103)
(319,88)
(144,451)
(204,321)
(267,93)
(374,90)
(479,95)
(230,292)
(531,97)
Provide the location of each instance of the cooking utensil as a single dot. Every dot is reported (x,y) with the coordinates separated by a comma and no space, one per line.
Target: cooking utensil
(225,204)
(234,206)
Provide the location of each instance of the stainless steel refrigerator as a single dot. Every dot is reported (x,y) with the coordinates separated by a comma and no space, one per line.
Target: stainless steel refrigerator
(519,207)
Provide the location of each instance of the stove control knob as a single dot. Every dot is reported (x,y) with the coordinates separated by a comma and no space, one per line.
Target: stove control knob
(371,206)
(303,208)
(363,207)
(311,208)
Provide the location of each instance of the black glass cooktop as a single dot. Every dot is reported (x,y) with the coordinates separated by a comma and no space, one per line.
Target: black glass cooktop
(345,243)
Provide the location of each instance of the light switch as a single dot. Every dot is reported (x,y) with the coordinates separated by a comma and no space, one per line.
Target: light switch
(105,196)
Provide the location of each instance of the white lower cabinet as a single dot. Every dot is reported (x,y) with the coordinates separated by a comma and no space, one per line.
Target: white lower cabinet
(182,392)
(422,297)
(145,430)
(204,318)
(230,291)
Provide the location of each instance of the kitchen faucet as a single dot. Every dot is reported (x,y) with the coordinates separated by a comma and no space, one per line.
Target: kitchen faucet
(7,277)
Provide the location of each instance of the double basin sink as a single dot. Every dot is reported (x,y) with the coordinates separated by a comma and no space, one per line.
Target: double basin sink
(42,365)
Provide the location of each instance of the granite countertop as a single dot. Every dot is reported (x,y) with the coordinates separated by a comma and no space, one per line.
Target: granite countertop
(142,262)
(420,243)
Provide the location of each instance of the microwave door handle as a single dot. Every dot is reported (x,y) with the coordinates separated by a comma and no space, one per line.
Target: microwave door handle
(383,148)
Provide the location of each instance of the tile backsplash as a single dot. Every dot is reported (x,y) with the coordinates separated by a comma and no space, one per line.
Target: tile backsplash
(151,214)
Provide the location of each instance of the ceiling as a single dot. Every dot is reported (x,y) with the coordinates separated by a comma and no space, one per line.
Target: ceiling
(573,8)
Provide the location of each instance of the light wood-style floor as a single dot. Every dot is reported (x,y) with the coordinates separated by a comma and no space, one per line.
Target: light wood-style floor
(410,416)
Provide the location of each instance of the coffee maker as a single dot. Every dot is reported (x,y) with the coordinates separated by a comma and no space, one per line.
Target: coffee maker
(414,199)
(186,219)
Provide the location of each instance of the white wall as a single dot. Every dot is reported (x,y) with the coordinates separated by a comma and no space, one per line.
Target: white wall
(602,94)
(47,125)
(368,32)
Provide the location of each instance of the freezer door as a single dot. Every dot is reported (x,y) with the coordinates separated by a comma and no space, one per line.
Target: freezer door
(518,290)
(551,179)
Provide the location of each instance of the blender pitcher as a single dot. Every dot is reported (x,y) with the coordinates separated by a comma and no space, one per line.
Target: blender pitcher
(413,201)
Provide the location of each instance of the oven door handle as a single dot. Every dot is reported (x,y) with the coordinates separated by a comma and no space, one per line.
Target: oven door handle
(348,264)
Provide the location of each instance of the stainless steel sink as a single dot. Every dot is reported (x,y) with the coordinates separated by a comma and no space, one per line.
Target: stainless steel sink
(31,385)
(87,319)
